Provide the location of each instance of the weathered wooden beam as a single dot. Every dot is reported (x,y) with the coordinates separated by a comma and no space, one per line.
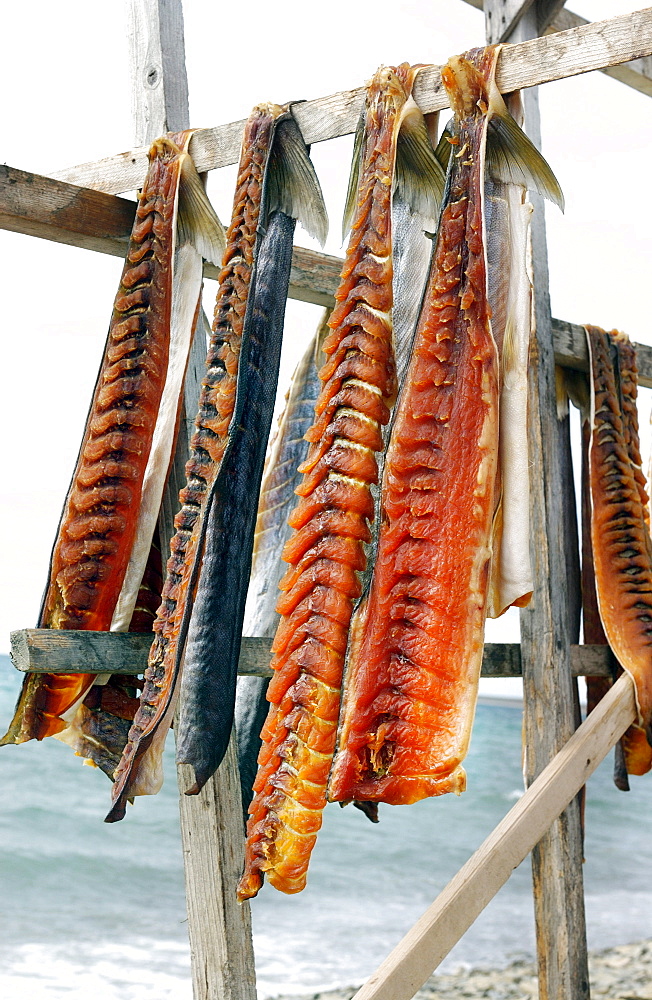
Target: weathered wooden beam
(541,60)
(500,22)
(547,625)
(159,82)
(219,929)
(635,73)
(466,895)
(49,651)
(55,210)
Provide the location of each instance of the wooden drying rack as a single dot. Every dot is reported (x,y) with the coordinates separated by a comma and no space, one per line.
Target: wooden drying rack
(79,206)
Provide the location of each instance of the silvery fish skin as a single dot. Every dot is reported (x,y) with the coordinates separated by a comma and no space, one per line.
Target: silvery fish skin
(277,499)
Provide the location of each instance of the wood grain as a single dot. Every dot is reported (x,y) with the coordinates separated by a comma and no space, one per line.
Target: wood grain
(636,73)
(546,628)
(67,651)
(221,950)
(40,206)
(159,82)
(541,60)
(466,895)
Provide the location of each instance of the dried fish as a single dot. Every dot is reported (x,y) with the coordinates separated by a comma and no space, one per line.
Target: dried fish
(277,498)
(326,552)
(622,549)
(415,648)
(106,528)
(205,589)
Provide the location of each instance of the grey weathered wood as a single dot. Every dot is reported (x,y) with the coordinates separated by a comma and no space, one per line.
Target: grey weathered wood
(222,959)
(547,12)
(500,20)
(39,206)
(499,25)
(486,871)
(214,859)
(554,57)
(54,210)
(58,651)
(546,630)
(636,73)
(158,68)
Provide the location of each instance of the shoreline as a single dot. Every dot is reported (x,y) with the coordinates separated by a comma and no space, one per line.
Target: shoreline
(623,972)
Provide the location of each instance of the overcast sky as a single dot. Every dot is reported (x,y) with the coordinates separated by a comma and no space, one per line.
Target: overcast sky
(66,90)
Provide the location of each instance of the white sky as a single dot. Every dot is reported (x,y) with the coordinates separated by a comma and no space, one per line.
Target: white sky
(65,81)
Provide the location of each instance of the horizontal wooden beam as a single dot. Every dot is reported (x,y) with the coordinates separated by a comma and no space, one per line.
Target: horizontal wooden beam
(636,73)
(554,57)
(51,651)
(477,882)
(55,210)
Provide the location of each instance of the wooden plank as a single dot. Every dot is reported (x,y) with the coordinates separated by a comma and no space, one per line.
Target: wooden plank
(541,60)
(636,73)
(54,210)
(466,895)
(546,630)
(214,859)
(500,21)
(221,950)
(547,12)
(39,206)
(158,68)
(54,651)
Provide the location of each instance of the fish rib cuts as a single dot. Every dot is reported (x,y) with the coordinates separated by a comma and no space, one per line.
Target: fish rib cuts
(216,402)
(235,407)
(100,521)
(331,521)
(416,643)
(622,550)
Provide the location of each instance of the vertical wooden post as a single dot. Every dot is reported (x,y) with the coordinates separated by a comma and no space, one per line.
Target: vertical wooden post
(546,626)
(211,824)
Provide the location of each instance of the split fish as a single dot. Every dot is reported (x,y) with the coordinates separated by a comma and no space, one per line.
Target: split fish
(415,648)
(620,536)
(277,498)
(108,520)
(204,594)
(392,155)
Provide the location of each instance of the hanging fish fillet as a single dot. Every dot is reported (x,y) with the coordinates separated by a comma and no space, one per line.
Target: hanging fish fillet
(277,499)
(211,550)
(415,649)
(622,550)
(108,520)
(326,552)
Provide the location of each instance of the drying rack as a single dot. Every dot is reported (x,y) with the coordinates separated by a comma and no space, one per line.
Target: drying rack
(80,206)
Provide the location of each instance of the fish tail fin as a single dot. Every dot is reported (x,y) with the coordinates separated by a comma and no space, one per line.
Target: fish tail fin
(292,184)
(444,147)
(197,222)
(419,178)
(514,159)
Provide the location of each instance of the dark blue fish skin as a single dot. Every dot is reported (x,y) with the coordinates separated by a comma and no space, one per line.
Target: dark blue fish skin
(277,500)
(214,634)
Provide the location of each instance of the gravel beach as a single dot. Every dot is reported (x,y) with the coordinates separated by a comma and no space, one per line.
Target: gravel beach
(621,973)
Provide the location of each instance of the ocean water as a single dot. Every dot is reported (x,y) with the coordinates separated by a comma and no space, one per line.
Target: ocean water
(95,910)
